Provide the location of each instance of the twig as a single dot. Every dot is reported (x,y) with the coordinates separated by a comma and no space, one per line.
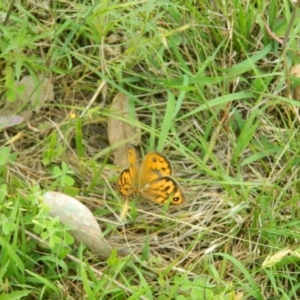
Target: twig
(93,98)
(272,34)
(12,4)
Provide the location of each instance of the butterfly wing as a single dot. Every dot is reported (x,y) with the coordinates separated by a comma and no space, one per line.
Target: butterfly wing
(127,182)
(161,189)
(153,166)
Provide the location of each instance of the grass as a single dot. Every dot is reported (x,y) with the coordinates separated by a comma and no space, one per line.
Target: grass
(212,91)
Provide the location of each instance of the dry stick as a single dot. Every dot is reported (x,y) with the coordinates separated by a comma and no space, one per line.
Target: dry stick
(76,260)
(285,41)
(9,12)
(287,33)
(272,34)
(93,98)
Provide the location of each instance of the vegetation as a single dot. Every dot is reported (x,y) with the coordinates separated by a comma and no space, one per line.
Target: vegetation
(210,82)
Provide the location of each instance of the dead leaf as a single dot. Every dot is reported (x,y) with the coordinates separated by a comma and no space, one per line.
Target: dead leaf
(10,121)
(121,127)
(112,51)
(113,39)
(295,71)
(35,93)
(112,46)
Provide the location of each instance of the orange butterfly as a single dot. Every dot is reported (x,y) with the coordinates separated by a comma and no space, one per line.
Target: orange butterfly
(151,178)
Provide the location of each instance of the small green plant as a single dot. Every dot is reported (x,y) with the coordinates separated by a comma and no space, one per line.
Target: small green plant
(62,175)
(53,149)
(6,156)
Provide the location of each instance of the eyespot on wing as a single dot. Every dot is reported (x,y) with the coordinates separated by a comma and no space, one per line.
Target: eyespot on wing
(154,165)
(160,190)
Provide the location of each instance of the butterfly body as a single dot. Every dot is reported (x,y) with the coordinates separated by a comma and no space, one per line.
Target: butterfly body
(151,179)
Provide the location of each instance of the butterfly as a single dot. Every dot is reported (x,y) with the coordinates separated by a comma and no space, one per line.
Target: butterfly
(151,178)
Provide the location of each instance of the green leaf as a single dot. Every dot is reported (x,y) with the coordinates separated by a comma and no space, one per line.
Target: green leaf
(12,254)
(8,227)
(6,156)
(15,295)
